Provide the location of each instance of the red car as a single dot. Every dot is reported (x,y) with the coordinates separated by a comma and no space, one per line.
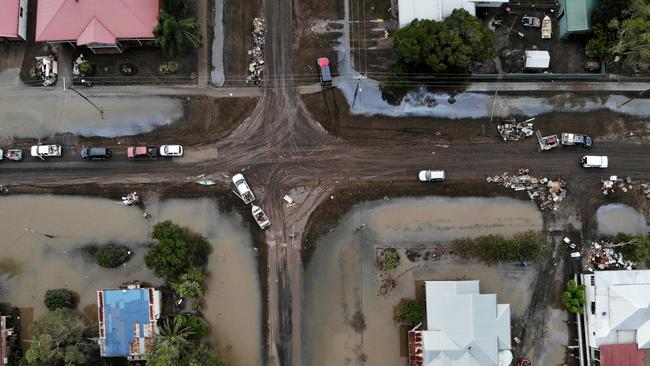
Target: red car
(142,152)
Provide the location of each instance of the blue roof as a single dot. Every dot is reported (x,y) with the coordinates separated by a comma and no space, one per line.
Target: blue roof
(121,310)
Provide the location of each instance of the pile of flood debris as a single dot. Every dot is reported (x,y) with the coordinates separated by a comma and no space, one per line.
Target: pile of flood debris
(510,130)
(607,255)
(256,67)
(616,184)
(545,192)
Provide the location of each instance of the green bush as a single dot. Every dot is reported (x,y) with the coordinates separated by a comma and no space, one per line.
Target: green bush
(388,259)
(495,248)
(636,248)
(189,284)
(85,67)
(196,324)
(574,297)
(409,312)
(173,67)
(58,299)
(112,255)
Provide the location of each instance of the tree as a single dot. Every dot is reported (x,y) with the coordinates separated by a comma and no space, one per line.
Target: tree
(59,339)
(112,255)
(204,355)
(574,297)
(177,251)
(177,35)
(195,324)
(450,46)
(388,259)
(172,344)
(58,299)
(189,284)
(409,312)
(635,248)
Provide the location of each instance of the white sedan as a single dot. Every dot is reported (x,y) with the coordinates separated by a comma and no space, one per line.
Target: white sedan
(171,150)
(431,175)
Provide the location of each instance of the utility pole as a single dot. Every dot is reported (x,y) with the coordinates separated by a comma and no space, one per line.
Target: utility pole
(100,109)
(357,90)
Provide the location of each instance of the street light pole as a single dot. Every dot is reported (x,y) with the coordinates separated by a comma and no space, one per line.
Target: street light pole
(100,109)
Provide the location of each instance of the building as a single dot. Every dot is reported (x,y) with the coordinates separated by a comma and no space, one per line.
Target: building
(409,10)
(575,16)
(537,60)
(13,20)
(463,327)
(617,316)
(127,321)
(5,333)
(101,25)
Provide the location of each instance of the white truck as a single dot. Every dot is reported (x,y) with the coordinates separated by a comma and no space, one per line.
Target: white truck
(243,190)
(591,161)
(45,151)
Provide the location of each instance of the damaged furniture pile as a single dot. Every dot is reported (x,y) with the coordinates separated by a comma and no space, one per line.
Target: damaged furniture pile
(545,192)
(512,131)
(46,70)
(256,67)
(615,184)
(605,255)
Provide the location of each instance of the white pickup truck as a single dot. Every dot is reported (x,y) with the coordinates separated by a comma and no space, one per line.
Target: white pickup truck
(243,189)
(44,151)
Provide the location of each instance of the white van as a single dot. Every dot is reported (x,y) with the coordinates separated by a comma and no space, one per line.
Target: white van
(590,161)
(431,175)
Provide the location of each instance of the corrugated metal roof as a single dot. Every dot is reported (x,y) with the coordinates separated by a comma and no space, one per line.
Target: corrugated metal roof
(126,313)
(9,18)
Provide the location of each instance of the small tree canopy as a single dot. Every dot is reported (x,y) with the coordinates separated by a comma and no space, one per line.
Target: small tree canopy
(176,35)
(112,255)
(574,297)
(189,284)
(58,299)
(409,312)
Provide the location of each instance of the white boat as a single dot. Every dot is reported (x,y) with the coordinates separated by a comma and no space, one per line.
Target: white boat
(260,217)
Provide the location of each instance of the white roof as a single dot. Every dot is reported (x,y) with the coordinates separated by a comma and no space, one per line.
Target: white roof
(622,308)
(464,327)
(537,59)
(431,9)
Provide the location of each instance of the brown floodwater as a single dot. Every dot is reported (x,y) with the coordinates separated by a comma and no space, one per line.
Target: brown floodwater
(341,280)
(619,218)
(41,248)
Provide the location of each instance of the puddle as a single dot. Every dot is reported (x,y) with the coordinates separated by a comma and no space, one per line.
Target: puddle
(55,113)
(341,280)
(618,218)
(49,255)
(233,298)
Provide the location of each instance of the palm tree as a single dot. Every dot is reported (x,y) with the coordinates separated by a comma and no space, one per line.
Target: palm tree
(172,343)
(176,36)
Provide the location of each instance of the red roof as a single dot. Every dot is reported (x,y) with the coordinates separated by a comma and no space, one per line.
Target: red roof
(95,21)
(621,355)
(9,18)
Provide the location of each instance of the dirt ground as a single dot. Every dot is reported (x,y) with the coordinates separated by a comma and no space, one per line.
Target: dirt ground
(237,27)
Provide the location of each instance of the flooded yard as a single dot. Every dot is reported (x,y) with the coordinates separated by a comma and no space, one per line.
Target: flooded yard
(618,218)
(346,321)
(43,243)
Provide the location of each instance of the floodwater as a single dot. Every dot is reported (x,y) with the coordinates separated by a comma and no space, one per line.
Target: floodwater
(69,113)
(341,281)
(49,255)
(619,218)
(233,297)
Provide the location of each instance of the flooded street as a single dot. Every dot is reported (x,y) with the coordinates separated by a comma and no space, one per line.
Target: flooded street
(619,218)
(42,248)
(342,282)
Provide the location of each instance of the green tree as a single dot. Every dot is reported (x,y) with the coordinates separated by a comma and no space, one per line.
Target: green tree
(173,343)
(112,255)
(450,46)
(635,248)
(178,250)
(388,259)
(195,324)
(574,297)
(177,35)
(204,355)
(58,299)
(189,284)
(59,339)
(409,312)
(177,8)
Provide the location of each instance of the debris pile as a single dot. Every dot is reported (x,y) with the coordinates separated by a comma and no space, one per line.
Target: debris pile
(45,69)
(545,192)
(606,255)
(256,67)
(512,131)
(130,199)
(645,190)
(615,184)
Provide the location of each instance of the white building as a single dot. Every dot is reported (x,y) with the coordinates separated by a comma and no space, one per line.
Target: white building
(409,10)
(463,328)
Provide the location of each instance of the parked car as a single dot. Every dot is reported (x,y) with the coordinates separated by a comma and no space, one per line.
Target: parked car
(96,153)
(570,139)
(171,150)
(531,22)
(591,161)
(142,152)
(44,151)
(324,71)
(431,175)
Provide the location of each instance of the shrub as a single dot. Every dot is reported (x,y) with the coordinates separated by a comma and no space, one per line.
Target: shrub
(58,299)
(409,312)
(635,248)
(85,67)
(189,284)
(388,259)
(112,255)
(196,324)
(173,67)
(574,297)
(493,248)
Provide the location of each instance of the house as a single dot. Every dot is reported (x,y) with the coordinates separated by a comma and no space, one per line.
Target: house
(5,333)
(409,10)
(617,316)
(575,16)
(537,60)
(101,25)
(127,321)
(13,20)
(463,327)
